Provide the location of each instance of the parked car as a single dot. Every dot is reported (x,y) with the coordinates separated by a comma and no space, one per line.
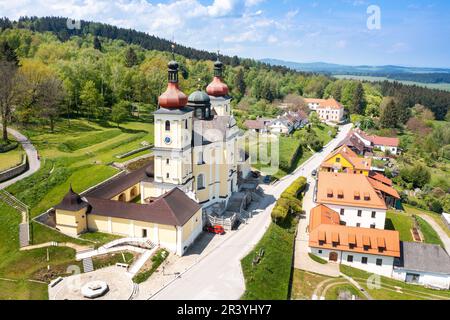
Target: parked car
(255,174)
(267,179)
(314,173)
(215,229)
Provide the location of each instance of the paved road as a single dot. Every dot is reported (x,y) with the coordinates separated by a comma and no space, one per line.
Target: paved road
(442,234)
(219,275)
(32,154)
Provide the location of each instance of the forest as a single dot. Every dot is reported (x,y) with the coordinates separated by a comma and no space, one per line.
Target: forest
(102,72)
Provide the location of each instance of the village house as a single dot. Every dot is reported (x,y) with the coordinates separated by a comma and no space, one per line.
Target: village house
(372,250)
(383,144)
(328,110)
(359,146)
(343,159)
(281,125)
(353,197)
(423,264)
(197,163)
(259,125)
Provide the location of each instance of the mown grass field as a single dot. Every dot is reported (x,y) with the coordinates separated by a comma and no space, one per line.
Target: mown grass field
(392,289)
(11,159)
(77,155)
(403,222)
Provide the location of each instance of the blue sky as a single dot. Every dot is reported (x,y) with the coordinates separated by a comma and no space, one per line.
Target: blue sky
(412,33)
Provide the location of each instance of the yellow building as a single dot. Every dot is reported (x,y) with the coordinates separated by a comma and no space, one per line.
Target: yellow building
(346,160)
(173,221)
(196,163)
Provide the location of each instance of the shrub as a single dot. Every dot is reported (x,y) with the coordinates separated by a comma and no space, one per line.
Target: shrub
(8,147)
(289,201)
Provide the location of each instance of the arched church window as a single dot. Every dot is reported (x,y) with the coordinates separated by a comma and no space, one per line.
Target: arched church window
(167,125)
(200,182)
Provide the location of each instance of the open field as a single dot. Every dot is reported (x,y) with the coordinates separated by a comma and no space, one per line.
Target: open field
(392,289)
(79,156)
(306,284)
(440,86)
(403,222)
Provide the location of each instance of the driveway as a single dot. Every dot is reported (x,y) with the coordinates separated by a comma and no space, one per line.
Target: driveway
(302,260)
(218,274)
(34,162)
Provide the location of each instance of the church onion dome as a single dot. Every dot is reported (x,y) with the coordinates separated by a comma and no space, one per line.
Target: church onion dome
(173,97)
(199,98)
(217,88)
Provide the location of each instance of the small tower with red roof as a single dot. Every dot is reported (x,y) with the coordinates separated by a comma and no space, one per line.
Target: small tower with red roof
(218,91)
(173,138)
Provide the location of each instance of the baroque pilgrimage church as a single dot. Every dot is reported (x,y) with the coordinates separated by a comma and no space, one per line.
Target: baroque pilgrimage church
(197,164)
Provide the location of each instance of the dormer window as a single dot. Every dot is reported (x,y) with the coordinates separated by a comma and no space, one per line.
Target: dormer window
(340,194)
(366,196)
(330,193)
(356,195)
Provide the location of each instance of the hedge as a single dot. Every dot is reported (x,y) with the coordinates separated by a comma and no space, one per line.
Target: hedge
(8,147)
(289,201)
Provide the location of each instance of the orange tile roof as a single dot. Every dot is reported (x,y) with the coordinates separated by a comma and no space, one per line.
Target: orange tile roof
(384,188)
(323,215)
(326,103)
(333,236)
(346,152)
(381,178)
(349,184)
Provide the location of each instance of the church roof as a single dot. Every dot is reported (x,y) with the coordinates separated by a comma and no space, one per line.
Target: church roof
(116,186)
(72,201)
(174,208)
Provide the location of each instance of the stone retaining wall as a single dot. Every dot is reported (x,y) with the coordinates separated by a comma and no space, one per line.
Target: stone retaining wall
(16,171)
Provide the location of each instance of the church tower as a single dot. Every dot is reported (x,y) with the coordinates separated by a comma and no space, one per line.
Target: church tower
(173,138)
(218,91)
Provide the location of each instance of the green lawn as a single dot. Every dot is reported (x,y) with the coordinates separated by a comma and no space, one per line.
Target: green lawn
(269,280)
(428,232)
(11,158)
(435,216)
(317,259)
(305,284)
(76,155)
(393,289)
(401,222)
(111,259)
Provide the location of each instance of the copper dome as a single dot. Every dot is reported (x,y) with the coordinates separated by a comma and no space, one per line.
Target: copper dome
(217,88)
(173,97)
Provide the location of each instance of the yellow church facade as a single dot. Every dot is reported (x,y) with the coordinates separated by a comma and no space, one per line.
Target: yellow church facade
(197,161)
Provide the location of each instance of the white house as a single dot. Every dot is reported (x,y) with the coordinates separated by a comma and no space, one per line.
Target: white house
(371,250)
(423,264)
(281,125)
(328,110)
(381,143)
(353,197)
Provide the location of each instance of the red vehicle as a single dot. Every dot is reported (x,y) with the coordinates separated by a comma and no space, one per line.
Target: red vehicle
(215,229)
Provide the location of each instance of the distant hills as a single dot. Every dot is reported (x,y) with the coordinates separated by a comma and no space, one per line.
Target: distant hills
(424,75)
